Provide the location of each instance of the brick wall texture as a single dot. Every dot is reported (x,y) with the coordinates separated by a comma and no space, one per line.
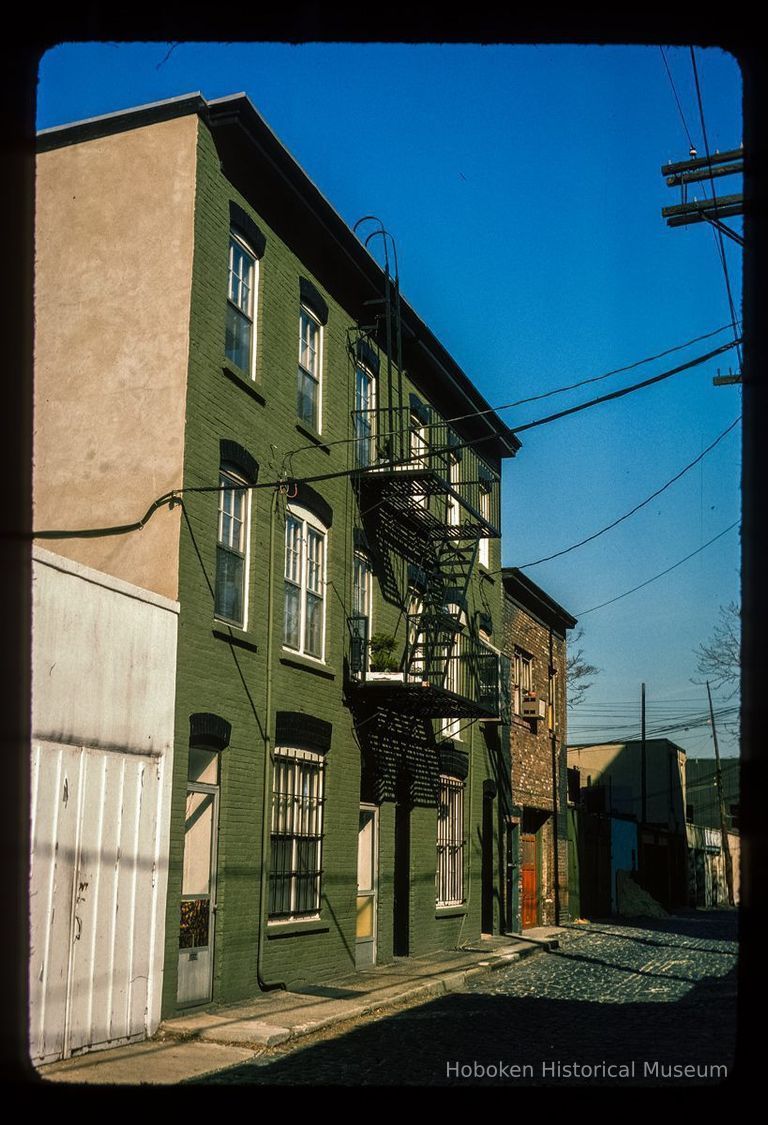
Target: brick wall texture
(538,756)
(229,671)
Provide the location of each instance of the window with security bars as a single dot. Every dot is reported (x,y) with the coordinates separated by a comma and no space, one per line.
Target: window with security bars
(450,842)
(297,834)
(231,549)
(240,305)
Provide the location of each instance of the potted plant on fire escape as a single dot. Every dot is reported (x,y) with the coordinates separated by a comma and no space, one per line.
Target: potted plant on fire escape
(384,664)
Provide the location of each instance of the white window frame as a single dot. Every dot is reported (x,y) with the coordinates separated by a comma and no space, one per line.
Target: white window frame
(449,878)
(418,453)
(485,641)
(236,238)
(484,546)
(452,505)
(309,522)
(300,817)
(239,487)
(371,411)
(552,712)
(415,611)
(451,728)
(362,564)
(522,678)
(315,376)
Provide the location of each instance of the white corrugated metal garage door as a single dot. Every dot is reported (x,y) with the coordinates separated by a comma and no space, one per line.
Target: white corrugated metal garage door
(94,897)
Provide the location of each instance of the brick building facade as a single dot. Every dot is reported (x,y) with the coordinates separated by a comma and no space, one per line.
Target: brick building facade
(534,643)
(250,378)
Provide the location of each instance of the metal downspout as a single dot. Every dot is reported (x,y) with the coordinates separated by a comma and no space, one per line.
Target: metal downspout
(265,805)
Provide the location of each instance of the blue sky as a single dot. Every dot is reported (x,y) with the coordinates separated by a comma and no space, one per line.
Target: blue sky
(522,187)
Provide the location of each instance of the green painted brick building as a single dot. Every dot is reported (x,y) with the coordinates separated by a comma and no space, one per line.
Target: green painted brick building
(339,763)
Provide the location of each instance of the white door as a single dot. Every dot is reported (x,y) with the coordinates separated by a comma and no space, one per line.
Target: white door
(198,894)
(367,879)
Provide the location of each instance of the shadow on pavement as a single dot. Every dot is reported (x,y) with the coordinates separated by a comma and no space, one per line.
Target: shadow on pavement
(540,1035)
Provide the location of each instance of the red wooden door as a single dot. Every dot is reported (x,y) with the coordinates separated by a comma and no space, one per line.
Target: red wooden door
(530,911)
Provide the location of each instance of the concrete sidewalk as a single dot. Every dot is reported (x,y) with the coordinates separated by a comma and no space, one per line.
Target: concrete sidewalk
(206,1042)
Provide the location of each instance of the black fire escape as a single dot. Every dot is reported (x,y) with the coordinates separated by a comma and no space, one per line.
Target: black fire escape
(426,497)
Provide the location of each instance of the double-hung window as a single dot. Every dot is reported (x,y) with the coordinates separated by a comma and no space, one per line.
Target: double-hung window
(365,406)
(522,676)
(232,549)
(361,606)
(552,715)
(484,546)
(417,644)
(451,728)
(310,361)
(450,842)
(241,300)
(305,559)
(453,511)
(296,834)
(419,453)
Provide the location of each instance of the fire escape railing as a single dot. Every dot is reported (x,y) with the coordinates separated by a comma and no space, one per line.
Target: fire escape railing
(393,440)
(461,672)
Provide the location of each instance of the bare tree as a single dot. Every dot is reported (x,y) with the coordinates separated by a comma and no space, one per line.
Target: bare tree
(578,672)
(719,658)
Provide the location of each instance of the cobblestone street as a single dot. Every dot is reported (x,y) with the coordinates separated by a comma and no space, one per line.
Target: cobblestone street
(651,999)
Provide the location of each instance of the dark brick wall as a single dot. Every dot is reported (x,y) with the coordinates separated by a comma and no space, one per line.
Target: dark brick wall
(538,753)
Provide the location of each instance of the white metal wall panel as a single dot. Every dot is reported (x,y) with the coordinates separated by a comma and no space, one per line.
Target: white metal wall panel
(104,662)
(101,673)
(94,915)
(53,851)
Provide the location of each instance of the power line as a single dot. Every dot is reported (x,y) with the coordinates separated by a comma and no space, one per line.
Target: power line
(661,573)
(679,107)
(717,232)
(530,398)
(175,495)
(595,378)
(658,492)
(626,390)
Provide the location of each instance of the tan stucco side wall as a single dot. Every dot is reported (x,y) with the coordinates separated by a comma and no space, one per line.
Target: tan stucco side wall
(114,244)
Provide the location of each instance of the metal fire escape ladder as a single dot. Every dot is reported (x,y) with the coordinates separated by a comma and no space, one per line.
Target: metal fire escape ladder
(433,632)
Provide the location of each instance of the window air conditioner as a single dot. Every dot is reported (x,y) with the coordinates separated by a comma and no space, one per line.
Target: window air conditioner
(534,709)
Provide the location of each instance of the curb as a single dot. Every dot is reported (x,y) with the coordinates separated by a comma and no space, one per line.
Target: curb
(273,1035)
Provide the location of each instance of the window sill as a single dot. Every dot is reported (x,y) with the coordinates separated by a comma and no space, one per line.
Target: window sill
(242,379)
(279,929)
(450,911)
(525,724)
(296,660)
(313,436)
(219,631)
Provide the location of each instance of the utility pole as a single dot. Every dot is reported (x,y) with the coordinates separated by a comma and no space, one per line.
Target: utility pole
(714,209)
(643,794)
(723,380)
(719,783)
(708,210)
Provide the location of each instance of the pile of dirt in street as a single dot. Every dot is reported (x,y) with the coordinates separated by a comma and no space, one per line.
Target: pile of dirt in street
(633,901)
